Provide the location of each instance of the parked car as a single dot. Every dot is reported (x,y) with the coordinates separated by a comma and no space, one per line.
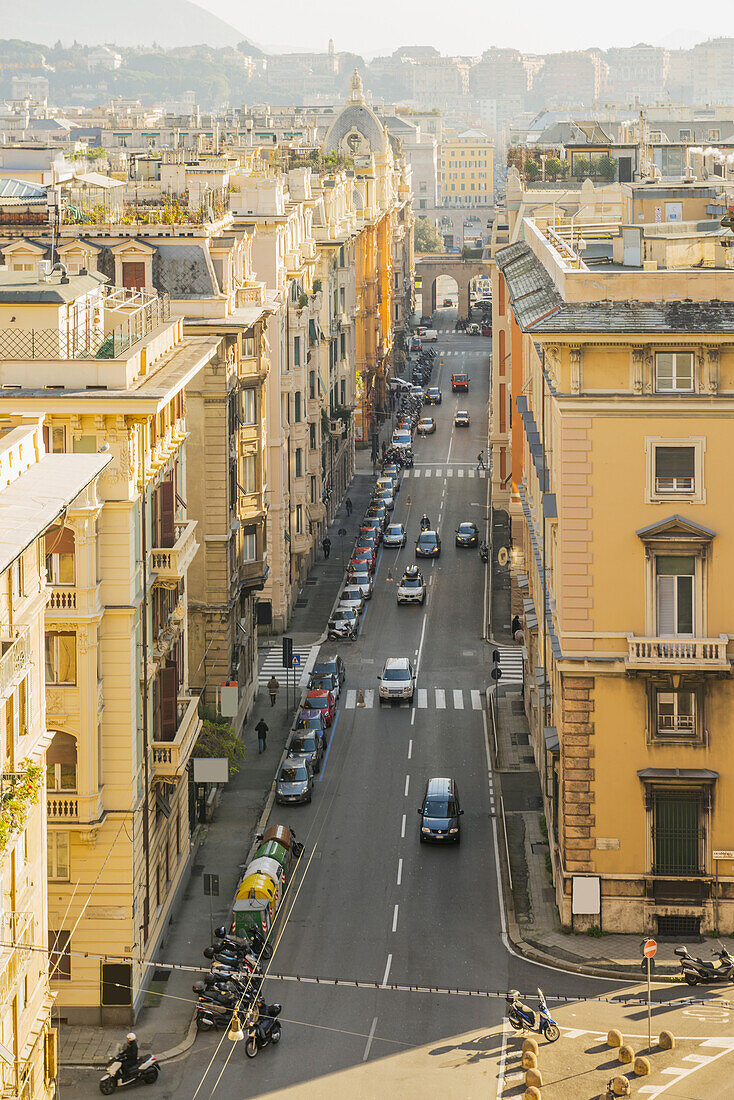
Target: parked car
(460,382)
(323,701)
(309,746)
(426,426)
(412,587)
(395,535)
(415,343)
(362,577)
(385,495)
(325,681)
(433,396)
(397,680)
(461,420)
(440,811)
(428,545)
(343,620)
(401,438)
(467,534)
(427,319)
(430,336)
(486,329)
(294,782)
(334,664)
(351,596)
(371,523)
(473,329)
(309,720)
(447,303)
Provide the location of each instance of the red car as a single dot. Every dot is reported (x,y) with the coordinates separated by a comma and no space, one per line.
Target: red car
(323,701)
(367,562)
(371,527)
(365,546)
(486,329)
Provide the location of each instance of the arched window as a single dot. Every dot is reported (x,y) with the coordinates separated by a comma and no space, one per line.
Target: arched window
(61,763)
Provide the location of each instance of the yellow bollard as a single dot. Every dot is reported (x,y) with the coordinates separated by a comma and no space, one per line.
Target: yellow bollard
(360,698)
(534,1078)
(614,1038)
(530,1045)
(666,1040)
(626,1054)
(642,1067)
(529,1060)
(531,1094)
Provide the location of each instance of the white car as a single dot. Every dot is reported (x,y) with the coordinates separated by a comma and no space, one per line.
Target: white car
(352,596)
(397,680)
(412,587)
(362,580)
(429,336)
(385,496)
(401,438)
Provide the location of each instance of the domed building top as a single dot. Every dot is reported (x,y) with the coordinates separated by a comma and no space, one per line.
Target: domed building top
(356,131)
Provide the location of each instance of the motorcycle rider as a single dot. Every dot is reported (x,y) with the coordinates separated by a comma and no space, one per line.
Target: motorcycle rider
(129,1055)
(425,523)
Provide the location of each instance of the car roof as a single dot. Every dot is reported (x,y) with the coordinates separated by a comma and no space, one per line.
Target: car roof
(440,785)
(428,532)
(397,662)
(316,693)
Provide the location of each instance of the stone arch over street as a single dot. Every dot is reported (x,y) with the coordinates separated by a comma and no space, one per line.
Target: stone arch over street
(430,267)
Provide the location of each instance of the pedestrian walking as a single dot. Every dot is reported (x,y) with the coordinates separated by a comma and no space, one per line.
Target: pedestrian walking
(273,686)
(262,732)
(480,461)
(326,546)
(348,504)
(384,448)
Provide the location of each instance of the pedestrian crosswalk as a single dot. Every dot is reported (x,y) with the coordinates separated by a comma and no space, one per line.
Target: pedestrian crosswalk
(445,471)
(272,665)
(425,698)
(510,664)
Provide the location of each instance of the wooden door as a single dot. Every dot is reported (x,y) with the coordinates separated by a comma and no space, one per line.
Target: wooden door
(133,274)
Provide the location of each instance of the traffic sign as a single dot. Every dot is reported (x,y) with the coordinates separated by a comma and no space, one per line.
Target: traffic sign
(496,673)
(342,532)
(649,948)
(287,652)
(295,663)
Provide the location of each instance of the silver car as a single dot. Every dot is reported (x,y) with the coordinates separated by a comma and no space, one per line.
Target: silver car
(395,535)
(362,579)
(294,782)
(351,596)
(397,680)
(386,497)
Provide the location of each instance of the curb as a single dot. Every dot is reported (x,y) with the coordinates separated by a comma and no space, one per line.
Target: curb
(165,1056)
(535,954)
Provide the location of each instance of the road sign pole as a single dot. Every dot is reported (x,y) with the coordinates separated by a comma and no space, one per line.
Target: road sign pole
(649,1020)
(211,918)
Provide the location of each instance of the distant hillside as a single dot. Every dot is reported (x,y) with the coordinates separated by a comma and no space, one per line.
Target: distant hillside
(132,23)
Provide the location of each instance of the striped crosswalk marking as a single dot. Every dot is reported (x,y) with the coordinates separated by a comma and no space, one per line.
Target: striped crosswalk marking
(426,473)
(416,473)
(440,699)
(458,700)
(511,664)
(449,472)
(471,473)
(476,700)
(460,473)
(369,697)
(351,700)
(422,699)
(272,664)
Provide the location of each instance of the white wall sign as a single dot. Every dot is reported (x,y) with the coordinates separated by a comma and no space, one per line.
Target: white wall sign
(586,896)
(211,769)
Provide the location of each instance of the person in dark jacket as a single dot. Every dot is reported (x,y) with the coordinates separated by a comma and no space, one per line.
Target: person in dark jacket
(129,1055)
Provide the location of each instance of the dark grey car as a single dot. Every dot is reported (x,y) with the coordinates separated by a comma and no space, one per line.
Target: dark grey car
(308,745)
(294,782)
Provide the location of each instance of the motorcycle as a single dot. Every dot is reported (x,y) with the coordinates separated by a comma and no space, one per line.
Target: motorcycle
(342,632)
(523,1018)
(484,552)
(425,524)
(210,1017)
(144,1073)
(254,943)
(695,970)
(263,1026)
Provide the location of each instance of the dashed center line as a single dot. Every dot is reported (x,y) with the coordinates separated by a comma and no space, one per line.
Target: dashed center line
(402,830)
(395,919)
(400,871)
(407,785)
(387,971)
(410,748)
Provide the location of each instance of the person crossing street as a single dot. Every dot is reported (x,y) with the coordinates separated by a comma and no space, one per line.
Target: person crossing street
(480,461)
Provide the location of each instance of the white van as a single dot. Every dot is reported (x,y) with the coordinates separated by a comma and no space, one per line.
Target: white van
(429,336)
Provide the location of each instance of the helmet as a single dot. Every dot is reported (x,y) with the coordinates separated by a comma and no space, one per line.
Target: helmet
(198,987)
(221,932)
(208,952)
(131,1037)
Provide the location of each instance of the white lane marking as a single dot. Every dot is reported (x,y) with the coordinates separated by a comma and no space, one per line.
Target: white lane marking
(410,749)
(440,699)
(426,473)
(407,786)
(402,828)
(412,717)
(395,919)
(387,971)
(351,699)
(416,473)
(420,643)
(458,699)
(700,1059)
(460,473)
(369,697)
(370,1037)
(440,514)
(476,700)
(400,871)
(423,696)
(471,473)
(450,473)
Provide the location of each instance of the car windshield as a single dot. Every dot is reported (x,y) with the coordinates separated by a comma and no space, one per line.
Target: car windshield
(460,377)
(427,539)
(293,775)
(396,674)
(439,807)
(411,582)
(323,669)
(466,528)
(305,742)
(320,703)
(343,613)
(395,529)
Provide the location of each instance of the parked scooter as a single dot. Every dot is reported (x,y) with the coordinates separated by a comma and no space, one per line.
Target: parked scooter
(254,943)
(145,1073)
(523,1018)
(263,1027)
(342,632)
(695,970)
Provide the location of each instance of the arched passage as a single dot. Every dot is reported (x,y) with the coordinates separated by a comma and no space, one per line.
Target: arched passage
(431,268)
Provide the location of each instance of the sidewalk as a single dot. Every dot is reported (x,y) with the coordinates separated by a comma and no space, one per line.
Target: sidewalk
(165,1025)
(534,924)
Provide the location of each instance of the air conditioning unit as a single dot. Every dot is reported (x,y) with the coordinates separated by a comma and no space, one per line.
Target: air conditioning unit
(44,268)
(335,427)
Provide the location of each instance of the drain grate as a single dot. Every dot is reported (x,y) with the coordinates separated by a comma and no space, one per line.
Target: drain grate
(161,975)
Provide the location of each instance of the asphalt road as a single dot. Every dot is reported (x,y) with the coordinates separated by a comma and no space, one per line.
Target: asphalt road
(370,903)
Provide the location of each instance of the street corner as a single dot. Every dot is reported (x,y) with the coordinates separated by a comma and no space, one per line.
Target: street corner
(583,1064)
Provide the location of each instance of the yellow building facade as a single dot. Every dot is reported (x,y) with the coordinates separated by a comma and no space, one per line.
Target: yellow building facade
(36,490)
(108,368)
(467,170)
(622,385)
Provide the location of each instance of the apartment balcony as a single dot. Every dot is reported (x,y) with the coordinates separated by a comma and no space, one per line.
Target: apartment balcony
(676,654)
(169,564)
(294,261)
(67,601)
(254,574)
(17,928)
(69,808)
(301,544)
(15,661)
(169,758)
(252,294)
(310,253)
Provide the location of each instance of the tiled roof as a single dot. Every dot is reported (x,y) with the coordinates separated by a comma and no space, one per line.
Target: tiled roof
(539,308)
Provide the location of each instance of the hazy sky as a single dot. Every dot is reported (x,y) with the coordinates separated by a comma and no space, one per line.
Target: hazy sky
(469,26)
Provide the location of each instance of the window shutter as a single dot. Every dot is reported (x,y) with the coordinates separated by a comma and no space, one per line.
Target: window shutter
(684,609)
(169,688)
(666,605)
(167,506)
(674,462)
